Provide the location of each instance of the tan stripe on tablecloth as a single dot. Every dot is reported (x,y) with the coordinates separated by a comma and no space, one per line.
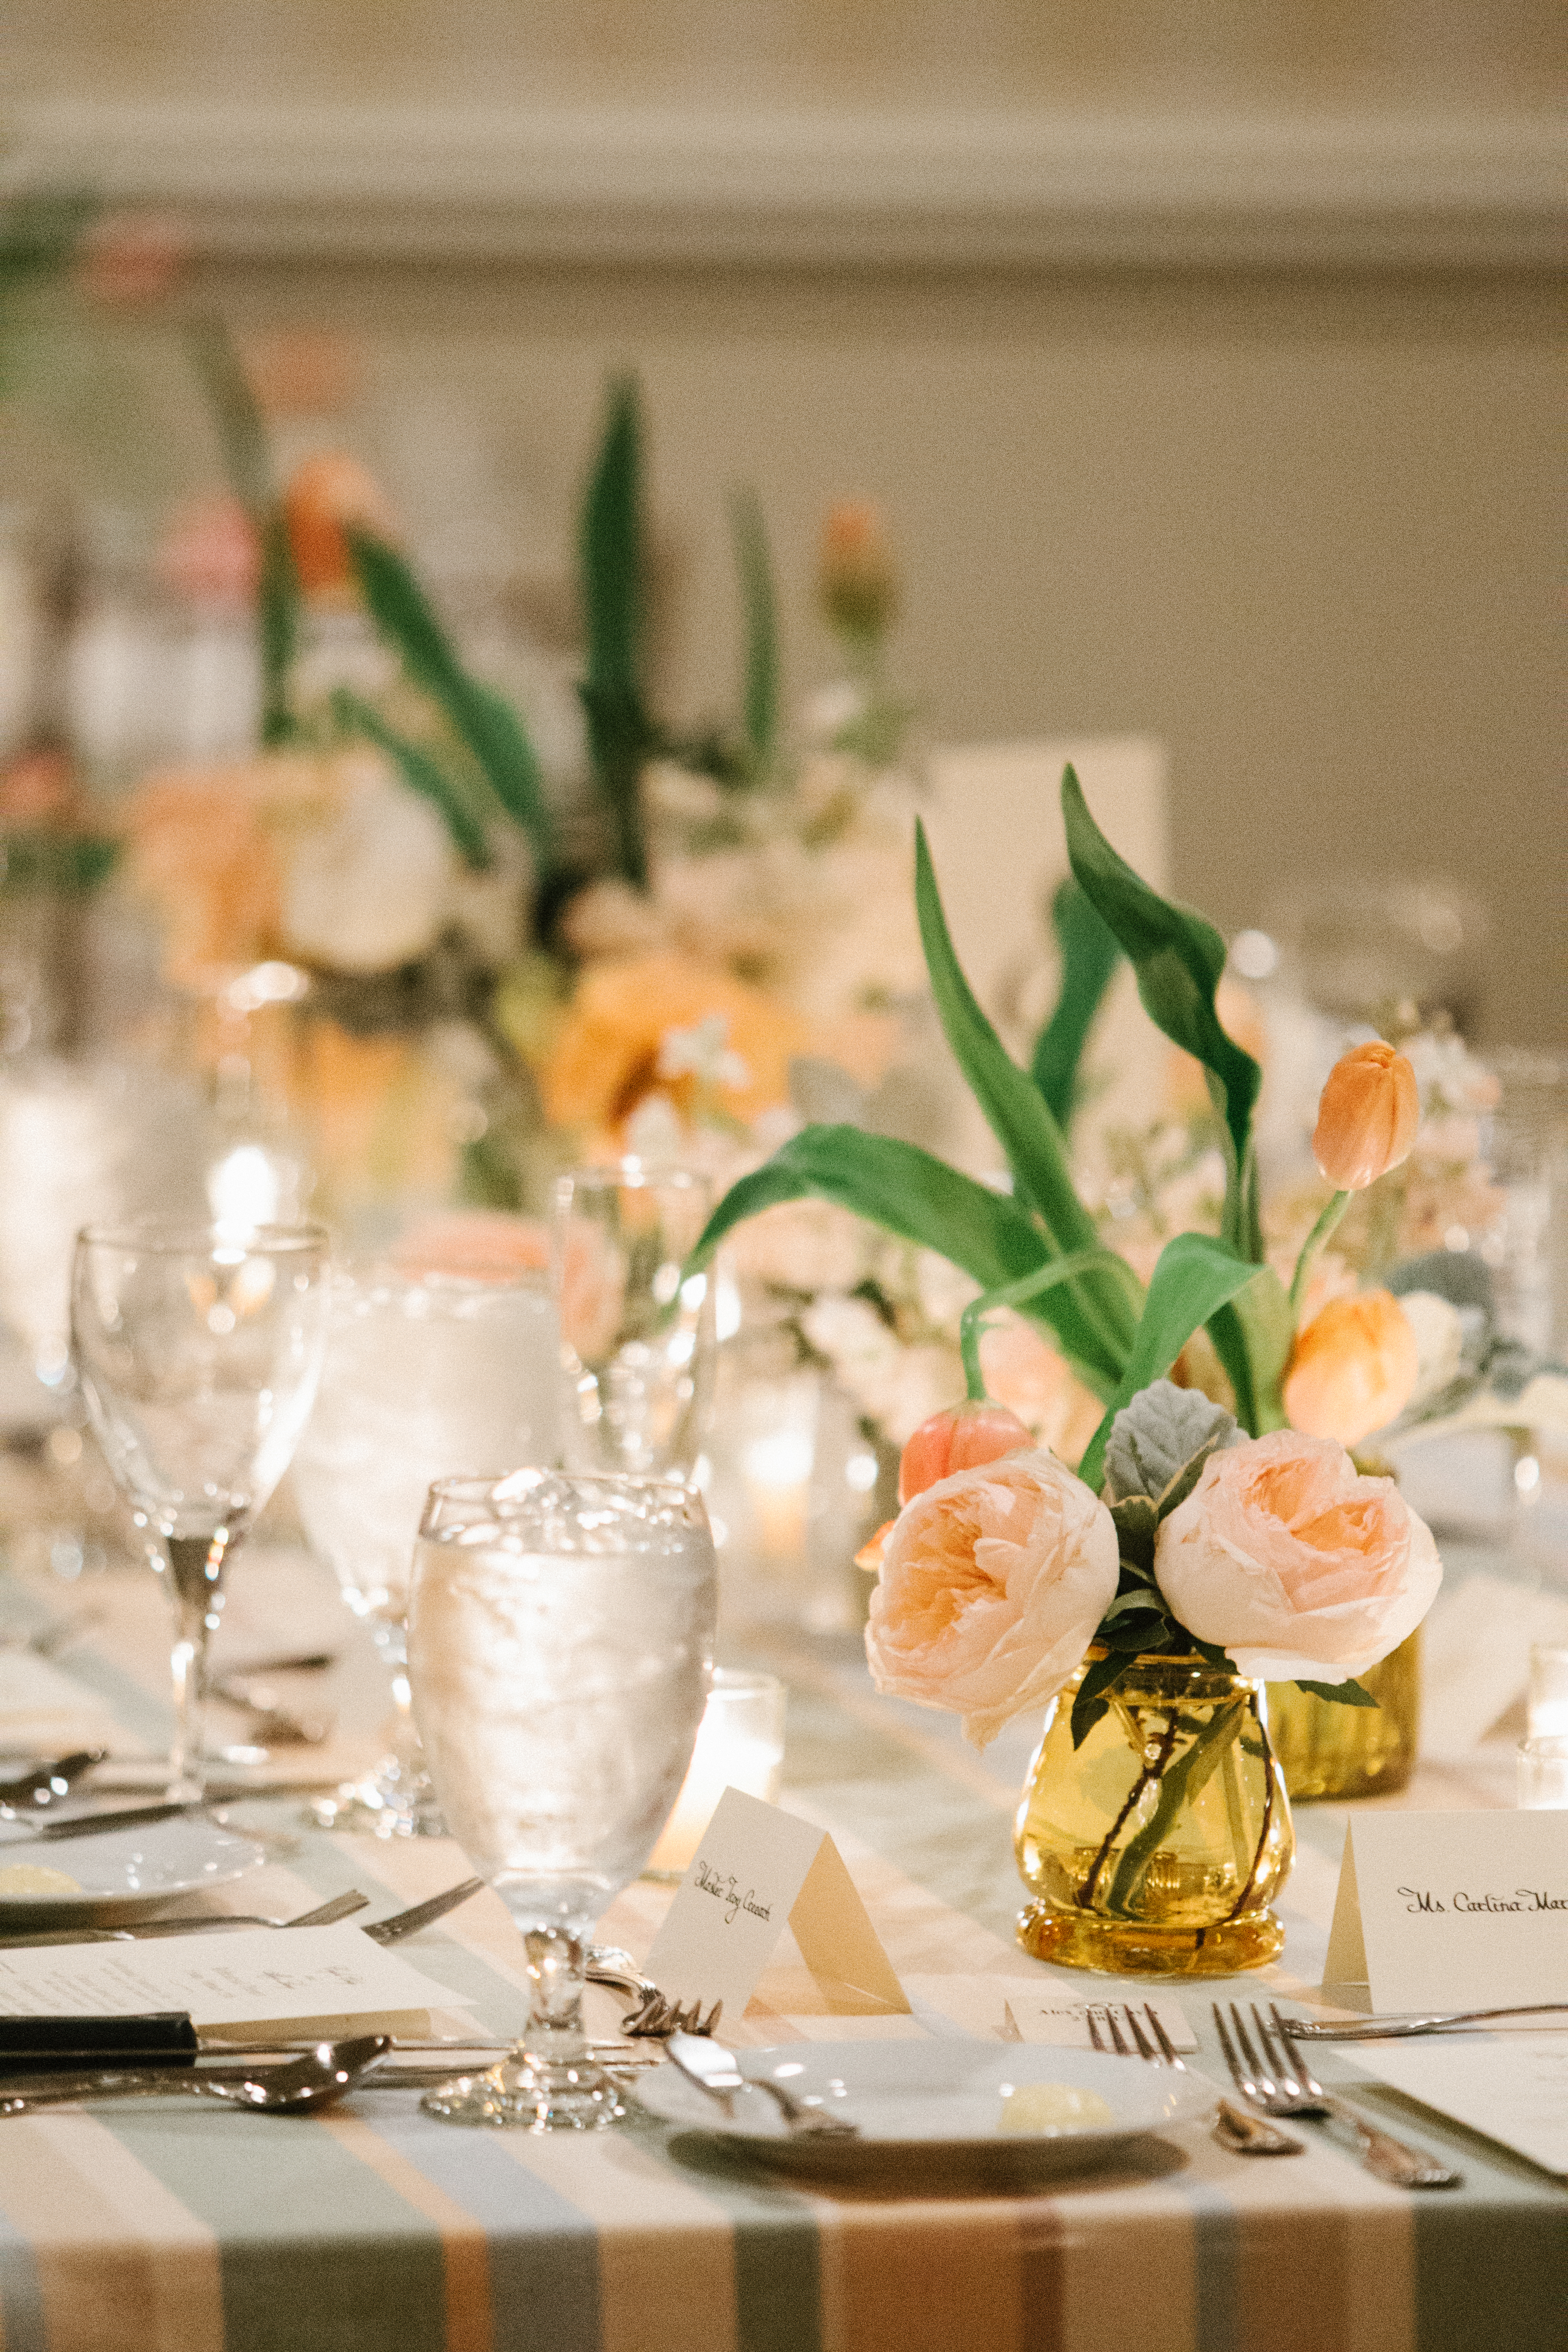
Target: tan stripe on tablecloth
(1122,2251)
(118,2257)
(666,2255)
(1314,2273)
(907,2276)
(464,2255)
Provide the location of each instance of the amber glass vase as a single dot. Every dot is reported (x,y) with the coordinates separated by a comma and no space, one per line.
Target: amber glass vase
(1327,1750)
(1156,1848)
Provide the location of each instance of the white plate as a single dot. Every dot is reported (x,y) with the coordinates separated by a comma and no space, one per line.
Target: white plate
(920,2101)
(125,1873)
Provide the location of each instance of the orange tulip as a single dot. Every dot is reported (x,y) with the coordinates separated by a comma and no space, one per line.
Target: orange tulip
(1352,1368)
(962,1438)
(858,585)
(324,494)
(1367,1116)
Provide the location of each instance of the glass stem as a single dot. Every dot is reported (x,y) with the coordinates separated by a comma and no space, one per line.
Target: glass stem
(195,1576)
(554,2034)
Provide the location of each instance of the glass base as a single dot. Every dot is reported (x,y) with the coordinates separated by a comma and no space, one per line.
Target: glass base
(1126,1948)
(392,1801)
(531,2094)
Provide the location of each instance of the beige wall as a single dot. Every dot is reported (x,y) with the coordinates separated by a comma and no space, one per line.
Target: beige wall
(1303,532)
(1293,519)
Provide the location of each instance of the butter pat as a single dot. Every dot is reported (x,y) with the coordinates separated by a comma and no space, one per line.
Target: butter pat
(1054,2107)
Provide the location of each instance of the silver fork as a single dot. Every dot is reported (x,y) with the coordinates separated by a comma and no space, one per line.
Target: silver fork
(1243,2134)
(655,2017)
(1282,2086)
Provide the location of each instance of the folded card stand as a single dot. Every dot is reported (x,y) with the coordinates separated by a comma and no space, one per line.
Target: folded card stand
(43,2045)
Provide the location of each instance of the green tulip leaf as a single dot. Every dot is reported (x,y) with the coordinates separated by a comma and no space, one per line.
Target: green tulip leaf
(484,721)
(610,558)
(1349,1693)
(1090,956)
(761,680)
(1178,959)
(911,1193)
(424,774)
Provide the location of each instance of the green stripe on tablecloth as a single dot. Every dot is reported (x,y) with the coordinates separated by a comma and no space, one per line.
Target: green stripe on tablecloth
(543,2262)
(778,2269)
(21,2299)
(318,2253)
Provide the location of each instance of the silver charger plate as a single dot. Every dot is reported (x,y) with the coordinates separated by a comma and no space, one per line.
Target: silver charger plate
(920,2102)
(124,1874)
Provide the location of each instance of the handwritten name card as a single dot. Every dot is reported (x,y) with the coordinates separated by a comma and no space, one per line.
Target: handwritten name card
(757,1871)
(1453,1910)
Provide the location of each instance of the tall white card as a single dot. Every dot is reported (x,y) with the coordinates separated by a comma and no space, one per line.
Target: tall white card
(1453,1910)
(757,1870)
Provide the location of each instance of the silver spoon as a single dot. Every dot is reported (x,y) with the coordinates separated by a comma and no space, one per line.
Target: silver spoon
(323,2075)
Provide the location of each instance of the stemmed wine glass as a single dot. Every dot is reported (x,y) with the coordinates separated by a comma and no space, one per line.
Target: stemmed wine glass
(198,1349)
(560,1635)
(636,1342)
(425,1372)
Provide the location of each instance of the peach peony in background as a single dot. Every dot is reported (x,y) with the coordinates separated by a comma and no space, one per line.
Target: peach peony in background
(1293,1562)
(992,1584)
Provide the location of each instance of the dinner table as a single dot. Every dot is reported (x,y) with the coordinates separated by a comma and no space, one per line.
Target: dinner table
(172,2225)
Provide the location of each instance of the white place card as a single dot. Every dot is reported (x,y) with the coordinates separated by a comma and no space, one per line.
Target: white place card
(1049,2019)
(757,1870)
(1453,1910)
(245,1986)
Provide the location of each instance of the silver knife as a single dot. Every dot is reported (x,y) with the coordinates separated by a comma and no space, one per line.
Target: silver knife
(127,1817)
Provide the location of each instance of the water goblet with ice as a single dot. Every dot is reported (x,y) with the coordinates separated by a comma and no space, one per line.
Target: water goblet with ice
(560,1635)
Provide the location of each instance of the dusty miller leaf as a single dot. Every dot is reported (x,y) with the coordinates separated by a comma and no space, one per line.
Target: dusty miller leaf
(1159,1443)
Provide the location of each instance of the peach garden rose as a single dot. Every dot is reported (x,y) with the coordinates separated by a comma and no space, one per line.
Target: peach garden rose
(991,1586)
(1298,1567)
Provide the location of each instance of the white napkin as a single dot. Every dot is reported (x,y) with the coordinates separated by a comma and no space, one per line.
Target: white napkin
(44,1713)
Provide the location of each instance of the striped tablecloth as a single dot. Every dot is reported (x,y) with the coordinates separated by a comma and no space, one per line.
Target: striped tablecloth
(178,2227)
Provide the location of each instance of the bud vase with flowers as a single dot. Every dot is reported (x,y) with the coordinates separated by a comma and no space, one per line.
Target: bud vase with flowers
(1141,1601)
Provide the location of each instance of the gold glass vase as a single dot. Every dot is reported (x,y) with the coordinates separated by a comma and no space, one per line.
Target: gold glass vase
(1327,1750)
(1156,1848)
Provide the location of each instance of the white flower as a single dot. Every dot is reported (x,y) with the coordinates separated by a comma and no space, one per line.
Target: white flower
(1440,1329)
(702,1053)
(367,888)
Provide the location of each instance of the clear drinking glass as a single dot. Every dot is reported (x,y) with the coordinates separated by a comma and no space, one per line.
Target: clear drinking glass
(426,1374)
(636,1343)
(198,1353)
(1543,1775)
(558,1640)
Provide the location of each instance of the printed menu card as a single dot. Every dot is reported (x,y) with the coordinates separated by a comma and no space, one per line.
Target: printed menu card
(1453,1910)
(314,1980)
(757,1870)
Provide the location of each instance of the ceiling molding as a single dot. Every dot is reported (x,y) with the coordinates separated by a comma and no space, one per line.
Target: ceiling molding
(601,185)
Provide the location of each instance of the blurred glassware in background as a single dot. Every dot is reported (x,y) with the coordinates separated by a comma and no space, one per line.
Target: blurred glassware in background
(794,1488)
(163,660)
(1543,1775)
(1382,949)
(740,1744)
(1525,1142)
(427,1374)
(197,1355)
(1547,1716)
(637,1344)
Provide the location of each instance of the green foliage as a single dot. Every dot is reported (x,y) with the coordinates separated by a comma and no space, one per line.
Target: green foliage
(1159,1443)
(1348,1694)
(761,700)
(1090,956)
(919,1198)
(1196,1276)
(1178,959)
(426,775)
(610,557)
(480,717)
(1019,1119)
(247,461)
